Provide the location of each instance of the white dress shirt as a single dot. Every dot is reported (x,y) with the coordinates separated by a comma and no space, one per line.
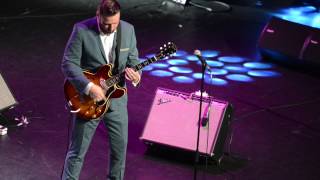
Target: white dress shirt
(107,43)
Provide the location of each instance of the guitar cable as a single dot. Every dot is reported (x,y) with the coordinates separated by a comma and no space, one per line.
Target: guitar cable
(218,162)
(210,97)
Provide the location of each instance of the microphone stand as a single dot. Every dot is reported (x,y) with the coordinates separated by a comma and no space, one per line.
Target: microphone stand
(196,160)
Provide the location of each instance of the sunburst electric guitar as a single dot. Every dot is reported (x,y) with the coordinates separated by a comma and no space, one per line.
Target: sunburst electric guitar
(85,107)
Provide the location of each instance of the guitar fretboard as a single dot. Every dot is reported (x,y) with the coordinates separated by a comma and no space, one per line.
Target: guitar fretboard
(168,49)
(145,63)
(117,78)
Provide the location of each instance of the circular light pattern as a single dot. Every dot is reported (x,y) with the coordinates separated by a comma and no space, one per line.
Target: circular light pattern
(183,70)
(159,65)
(293,12)
(183,79)
(231,59)
(306,8)
(147,68)
(217,72)
(257,65)
(316,21)
(236,69)
(305,15)
(208,80)
(177,62)
(142,59)
(209,53)
(192,58)
(161,73)
(199,75)
(180,53)
(299,10)
(261,73)
(150,55)
(239,77)
(213,63)
(216,81)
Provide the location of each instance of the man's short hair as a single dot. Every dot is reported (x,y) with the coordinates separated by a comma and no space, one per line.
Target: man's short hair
(108,7)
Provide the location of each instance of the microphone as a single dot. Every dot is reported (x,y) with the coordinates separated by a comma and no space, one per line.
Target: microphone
(203,61)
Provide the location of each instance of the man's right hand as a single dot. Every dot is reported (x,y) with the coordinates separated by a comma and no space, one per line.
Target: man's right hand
(97,93)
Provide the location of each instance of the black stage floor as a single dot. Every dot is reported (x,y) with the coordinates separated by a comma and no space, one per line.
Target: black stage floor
(276,122)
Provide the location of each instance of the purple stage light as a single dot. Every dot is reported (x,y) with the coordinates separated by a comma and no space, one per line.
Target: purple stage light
(147,68)
(263,73)
(257,65)
(239,78)
(182,70)
(209,53)
(192,58)
(212,63)
(176,62)
(183,79)
(231,59)
(236,69)
(215,81)
(161,73)
(160,65)
(217,72)
(180,53)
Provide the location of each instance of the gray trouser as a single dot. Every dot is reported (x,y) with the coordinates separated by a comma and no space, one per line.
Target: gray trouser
(82,133)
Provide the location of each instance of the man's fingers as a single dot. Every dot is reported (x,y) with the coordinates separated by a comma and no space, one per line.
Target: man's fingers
(97,93)
(127,77)
(131,74)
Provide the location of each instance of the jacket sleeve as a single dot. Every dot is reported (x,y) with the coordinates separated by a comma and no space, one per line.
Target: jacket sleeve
(71,62)
(133,56)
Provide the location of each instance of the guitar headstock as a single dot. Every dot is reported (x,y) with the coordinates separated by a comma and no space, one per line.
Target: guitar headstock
(167,50)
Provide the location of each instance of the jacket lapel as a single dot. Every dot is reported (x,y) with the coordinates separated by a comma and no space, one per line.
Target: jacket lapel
(116,43)
(116,48)
(98,39)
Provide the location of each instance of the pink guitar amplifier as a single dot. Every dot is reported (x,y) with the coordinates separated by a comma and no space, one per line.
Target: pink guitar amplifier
(173,121)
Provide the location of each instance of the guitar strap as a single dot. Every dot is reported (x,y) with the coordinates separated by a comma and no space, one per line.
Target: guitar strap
(117,50)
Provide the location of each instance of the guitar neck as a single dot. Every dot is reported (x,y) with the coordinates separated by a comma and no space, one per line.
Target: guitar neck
(168,49)
(145,63)
(117,78)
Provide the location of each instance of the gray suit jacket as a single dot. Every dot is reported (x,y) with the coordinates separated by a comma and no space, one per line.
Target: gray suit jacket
(84,51)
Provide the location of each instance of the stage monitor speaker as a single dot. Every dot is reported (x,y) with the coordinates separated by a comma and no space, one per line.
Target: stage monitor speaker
(6,98)
(288,41)
(311,52)
(173,121)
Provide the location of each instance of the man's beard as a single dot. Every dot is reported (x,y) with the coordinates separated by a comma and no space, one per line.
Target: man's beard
(106,31)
